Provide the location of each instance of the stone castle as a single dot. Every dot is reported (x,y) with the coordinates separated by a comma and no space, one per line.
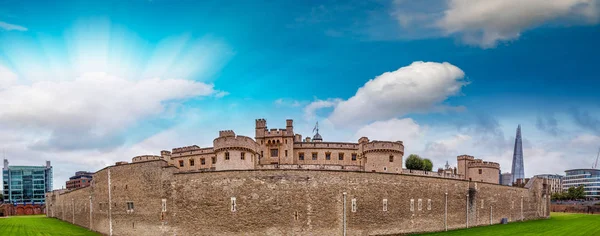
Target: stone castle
(281,184)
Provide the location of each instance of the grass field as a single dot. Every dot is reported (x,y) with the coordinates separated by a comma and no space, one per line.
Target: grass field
(558,224)
(40,225)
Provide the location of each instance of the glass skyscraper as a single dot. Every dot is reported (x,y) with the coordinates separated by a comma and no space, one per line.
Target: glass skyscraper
(26,184)
(518,170)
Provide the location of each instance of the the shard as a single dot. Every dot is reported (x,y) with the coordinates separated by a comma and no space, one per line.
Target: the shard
(518,170)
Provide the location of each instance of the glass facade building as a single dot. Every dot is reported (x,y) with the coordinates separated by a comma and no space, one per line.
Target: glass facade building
(518,169)
(589,178)
(26,184)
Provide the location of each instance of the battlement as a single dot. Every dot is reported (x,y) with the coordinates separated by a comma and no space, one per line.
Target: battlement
(465,157)
(226,133)
(145,158)
(165,153)
(185,149)
(363,140)
(383,146)
(478,163)
(261,123)
(234,142)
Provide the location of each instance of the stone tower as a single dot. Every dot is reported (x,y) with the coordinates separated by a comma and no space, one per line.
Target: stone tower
(518,170)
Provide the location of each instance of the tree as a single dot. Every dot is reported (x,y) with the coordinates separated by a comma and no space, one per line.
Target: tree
(427,165)
(575,193)
(414,162)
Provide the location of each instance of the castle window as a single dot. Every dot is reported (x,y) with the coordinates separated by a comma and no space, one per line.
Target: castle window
(301,156)
(314,155)
(261,154)
(420,204)
(341,156)
(233,205)
(429,204)
(226,155)
(261,142)
(354,205)
(202,161)
(214,160)
(384,168)
(354,156)
(286,153)
(192,162)
(480,171)
(164,205)
(384,204)
(412,204)
(180,163)
(129,207)
(278,140)
(243,156)
(274,152)
(286,141)
(391,158)
(327,156)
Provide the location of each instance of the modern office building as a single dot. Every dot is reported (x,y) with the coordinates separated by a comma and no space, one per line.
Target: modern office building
(518,169)
(555,182)
(506,179)
(26,184)
(589,178)
(79,180)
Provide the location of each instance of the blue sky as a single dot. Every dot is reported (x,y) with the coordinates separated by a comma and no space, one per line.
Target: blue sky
(88,83)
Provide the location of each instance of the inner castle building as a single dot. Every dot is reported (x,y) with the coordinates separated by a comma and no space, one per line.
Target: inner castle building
(281,184)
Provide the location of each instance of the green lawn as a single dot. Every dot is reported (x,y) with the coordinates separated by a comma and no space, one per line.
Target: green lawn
(558,224)
(40,225)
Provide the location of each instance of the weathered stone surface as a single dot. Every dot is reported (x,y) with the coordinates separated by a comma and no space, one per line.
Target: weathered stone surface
(287,202)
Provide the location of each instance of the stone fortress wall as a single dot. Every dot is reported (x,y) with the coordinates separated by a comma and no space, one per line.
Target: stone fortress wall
(154,198)
(264,186)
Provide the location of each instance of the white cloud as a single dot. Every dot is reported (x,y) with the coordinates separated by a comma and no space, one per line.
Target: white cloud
(90,111)
(419,87)
(487,22)
(221,94)
(586,140)
(283,102)
(7,77)
(405,130)
(9,27)
(311,109)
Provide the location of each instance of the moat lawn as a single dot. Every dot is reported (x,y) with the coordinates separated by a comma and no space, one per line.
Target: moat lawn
(40,225)
(558,224)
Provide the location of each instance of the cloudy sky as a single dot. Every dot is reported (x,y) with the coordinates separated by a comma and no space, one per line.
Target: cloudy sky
(84,84)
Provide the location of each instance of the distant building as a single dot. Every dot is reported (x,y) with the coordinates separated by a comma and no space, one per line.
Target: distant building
(506,179)
(79,180)
(555,182)
(589,178)
(26,184)
(25,188)
(518,169)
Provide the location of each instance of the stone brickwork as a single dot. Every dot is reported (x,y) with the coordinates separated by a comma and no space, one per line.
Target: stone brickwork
(283,147)
(478,170)
(153,198)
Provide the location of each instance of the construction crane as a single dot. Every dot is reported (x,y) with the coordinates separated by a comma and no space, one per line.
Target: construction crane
(596,164)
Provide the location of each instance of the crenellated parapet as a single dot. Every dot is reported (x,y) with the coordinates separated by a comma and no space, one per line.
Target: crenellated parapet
(383,146)
(226,133)
(325,145)
(185,149)
(478,163)
(145,158)
(238,142)
(465,157)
